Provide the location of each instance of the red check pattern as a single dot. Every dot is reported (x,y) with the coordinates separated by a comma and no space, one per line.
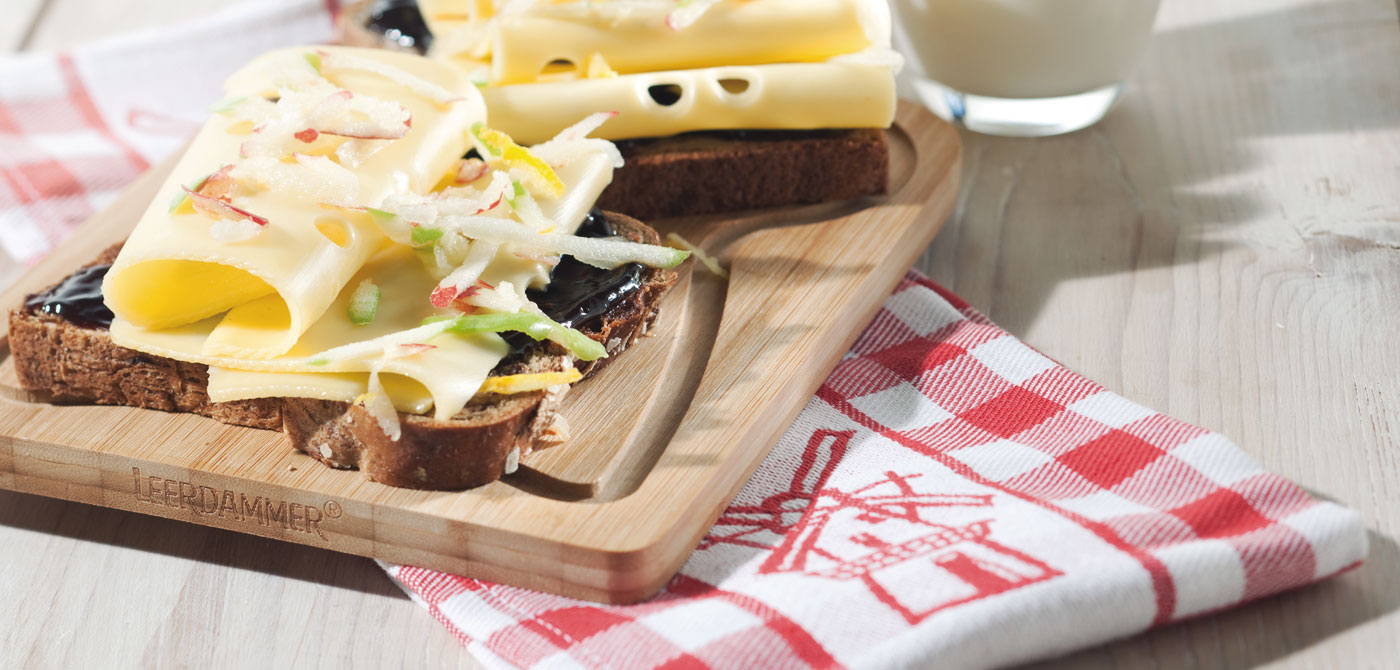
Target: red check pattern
(77,126)
(544,631)
(949,498)
(1172,519)
(59,160)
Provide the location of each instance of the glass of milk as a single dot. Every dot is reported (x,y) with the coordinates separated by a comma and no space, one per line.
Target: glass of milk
(1025,68)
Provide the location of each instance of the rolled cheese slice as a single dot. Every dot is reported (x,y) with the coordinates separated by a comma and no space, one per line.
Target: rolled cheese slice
(634,37)
(797,96)
(450,373)
(443,378)
(173,271)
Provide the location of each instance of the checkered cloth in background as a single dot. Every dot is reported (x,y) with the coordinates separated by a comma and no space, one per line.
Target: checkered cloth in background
(76,127)
(61,161)
(949,498)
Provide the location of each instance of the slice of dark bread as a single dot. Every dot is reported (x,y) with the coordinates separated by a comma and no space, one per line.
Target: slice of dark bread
(691,173)
(726,171)
(63,360)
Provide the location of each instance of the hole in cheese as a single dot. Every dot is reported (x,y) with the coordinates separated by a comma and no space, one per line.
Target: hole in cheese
(559,66)
(734,85)
(335,230)
(665,94)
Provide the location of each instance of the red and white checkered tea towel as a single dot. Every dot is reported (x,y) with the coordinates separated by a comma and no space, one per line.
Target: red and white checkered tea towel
(950,497)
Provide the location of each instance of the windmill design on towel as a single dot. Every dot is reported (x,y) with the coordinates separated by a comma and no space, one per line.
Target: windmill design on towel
(878,533)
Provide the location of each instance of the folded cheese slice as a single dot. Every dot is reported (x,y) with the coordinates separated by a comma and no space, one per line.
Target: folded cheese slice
(176,269)
(636,37)
(796,96)
(450,372)
(443,378)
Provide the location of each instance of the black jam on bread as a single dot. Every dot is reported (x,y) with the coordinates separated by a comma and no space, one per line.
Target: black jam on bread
(77,299)
(579,294)
(401,23)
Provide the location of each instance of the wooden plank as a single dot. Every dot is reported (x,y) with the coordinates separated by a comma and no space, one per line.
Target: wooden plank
(808,270)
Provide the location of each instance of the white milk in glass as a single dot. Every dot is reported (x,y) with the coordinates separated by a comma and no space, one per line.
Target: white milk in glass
(1024,67)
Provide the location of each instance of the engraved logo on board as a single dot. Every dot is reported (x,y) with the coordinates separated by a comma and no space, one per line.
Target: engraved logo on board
(233,505)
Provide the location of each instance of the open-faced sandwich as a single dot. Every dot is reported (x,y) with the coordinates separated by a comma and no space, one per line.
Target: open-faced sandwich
(720,104)
(324,262)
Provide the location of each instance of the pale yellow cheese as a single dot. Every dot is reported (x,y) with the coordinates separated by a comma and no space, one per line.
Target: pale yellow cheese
(444,378)
(451,372)
(407,394)
(794,96)
(172,271)
(635,38)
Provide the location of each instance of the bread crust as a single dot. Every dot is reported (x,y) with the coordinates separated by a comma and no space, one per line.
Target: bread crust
(60,361)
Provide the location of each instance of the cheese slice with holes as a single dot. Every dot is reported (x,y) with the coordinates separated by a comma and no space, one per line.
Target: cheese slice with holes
(172,272)
(634,37)
(795,96)
(443,378)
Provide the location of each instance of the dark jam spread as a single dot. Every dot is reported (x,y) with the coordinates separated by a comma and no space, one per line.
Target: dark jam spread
(400,22)
(579,294)
(77,299)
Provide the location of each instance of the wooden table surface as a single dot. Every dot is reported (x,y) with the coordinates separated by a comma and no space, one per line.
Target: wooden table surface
(1225,247)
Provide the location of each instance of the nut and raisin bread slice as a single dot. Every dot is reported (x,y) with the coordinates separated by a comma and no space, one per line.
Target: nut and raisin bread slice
(62,359)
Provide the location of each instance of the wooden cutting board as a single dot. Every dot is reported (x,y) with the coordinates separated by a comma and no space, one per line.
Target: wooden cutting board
(661,442)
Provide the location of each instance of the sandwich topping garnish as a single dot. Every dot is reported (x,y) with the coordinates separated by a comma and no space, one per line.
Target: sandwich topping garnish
(488,208)
(705,258)
(518,161)
(232,224)
(364,303)
(465,226)
(304,141)
(470,170)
